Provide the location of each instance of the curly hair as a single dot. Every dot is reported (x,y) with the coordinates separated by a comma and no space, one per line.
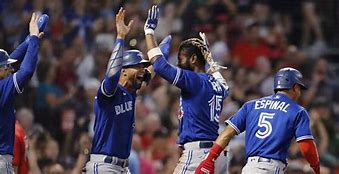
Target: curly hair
(194,46)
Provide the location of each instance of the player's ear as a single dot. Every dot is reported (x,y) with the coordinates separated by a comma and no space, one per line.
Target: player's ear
(193,59)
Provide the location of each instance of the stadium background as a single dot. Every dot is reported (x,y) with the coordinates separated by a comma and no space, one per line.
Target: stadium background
(253,38)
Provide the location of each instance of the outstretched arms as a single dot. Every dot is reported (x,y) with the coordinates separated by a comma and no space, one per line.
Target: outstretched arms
(114,65)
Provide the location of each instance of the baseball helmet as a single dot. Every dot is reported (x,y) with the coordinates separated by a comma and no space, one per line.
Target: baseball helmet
(134,57)
(286,78)
(5,59)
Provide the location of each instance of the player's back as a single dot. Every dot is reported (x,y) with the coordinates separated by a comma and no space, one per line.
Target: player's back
(271,123)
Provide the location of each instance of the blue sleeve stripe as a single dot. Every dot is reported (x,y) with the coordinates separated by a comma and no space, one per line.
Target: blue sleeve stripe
(104,91)
(233,126)
(175,81)
(305,137)
(16,85)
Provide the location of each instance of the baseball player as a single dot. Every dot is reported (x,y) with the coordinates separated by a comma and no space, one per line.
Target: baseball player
(201,97)
(13,84)
(114,106)
(271,123)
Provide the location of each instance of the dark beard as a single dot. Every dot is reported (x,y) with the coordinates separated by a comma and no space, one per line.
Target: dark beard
(186,66)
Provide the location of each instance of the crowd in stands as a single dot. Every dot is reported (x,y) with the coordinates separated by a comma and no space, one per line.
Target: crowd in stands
(253,38)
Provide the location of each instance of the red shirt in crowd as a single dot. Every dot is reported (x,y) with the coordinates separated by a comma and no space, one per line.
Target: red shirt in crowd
(20,146)
(248,53)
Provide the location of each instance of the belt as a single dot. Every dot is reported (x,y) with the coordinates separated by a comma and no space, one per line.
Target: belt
(198,145)
(262,159)
(110,160)
(8,158)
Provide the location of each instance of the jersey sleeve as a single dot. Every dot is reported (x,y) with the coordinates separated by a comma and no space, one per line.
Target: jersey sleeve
(19,52)
(28,65)
(187,81)
(220,79)
(238,120)
(114,66)
(302,126)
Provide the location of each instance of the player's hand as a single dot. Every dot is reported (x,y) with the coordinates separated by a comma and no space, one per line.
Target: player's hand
(165,46)
(33,25)
(205,167)
(213,66)
(152,20)
(122,28)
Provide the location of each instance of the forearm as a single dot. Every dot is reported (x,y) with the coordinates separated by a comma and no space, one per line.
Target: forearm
(309,150)
(151,43)
(28,65)
(225,137)
(114,67)
(19,52)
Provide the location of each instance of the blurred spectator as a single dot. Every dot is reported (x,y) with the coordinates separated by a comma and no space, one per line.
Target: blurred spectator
(20,160)
(252,44)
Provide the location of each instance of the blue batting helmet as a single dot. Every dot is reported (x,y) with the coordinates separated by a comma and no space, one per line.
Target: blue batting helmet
(134,57)
(5,59)
(286,78)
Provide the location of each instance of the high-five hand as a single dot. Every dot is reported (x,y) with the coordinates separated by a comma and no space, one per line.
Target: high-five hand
(33,25)
(152,20)
(122,28)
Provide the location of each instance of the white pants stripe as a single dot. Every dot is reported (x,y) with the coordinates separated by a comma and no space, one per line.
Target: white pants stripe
(188,161)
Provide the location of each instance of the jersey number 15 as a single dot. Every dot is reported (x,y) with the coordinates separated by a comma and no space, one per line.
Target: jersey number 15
(264,123)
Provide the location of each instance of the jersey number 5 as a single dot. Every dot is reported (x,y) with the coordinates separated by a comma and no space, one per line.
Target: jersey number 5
(263,122)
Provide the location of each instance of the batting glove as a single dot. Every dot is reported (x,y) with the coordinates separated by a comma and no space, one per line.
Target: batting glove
(152,20)
(165,46)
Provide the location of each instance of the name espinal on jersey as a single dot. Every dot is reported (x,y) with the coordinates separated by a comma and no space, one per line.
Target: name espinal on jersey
(271,104)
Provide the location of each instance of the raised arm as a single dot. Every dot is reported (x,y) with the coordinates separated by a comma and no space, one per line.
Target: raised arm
(158,55)
(114,65)
(19,52)
(27,68)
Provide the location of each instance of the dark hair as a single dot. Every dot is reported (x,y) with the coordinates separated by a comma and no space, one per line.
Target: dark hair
(194,46)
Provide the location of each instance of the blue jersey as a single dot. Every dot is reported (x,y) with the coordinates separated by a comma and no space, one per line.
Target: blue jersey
(114,111)
(12,85)
(271,123)
(114,123)
(201,101)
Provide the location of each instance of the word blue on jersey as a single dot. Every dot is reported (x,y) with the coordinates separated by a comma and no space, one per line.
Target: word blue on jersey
(114,111)
(201,101)
(114,123)
(271,123)
(10,86)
